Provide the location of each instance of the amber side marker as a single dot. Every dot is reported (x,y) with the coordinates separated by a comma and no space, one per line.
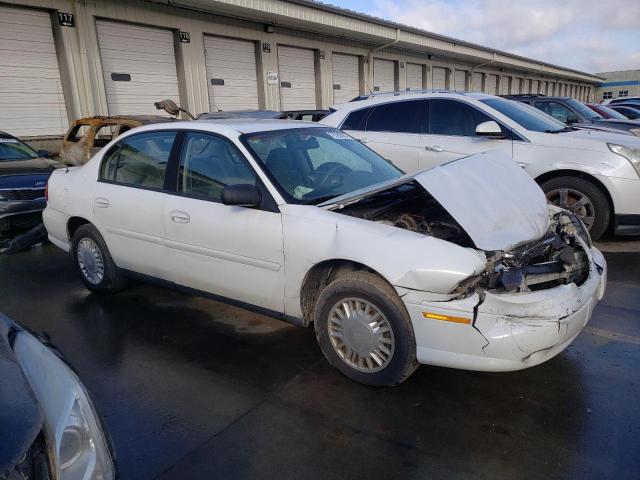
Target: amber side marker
(446,318)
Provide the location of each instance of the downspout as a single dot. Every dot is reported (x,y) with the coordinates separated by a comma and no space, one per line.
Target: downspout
(371,50)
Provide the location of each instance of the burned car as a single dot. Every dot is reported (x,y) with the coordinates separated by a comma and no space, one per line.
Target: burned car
(88,135)
(462,265)
(50,428)
(23,178)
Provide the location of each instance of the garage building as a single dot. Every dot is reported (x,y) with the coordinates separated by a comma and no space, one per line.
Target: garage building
(62,59)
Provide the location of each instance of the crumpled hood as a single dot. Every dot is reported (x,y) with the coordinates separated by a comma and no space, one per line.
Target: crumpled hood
(496,202)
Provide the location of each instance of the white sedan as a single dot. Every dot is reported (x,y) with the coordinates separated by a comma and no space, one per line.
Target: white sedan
(461,265)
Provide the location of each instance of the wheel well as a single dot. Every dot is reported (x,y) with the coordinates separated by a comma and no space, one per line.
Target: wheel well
(585,176)
(74,223)
(321,275)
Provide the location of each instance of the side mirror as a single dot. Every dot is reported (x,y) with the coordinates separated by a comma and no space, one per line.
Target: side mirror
(242,195)
(44,153)
(572,119)
(489,129)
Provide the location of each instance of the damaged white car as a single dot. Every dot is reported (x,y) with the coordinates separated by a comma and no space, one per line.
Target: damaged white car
(463,265)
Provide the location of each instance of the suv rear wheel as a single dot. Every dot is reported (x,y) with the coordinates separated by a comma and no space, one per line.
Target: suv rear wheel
(582,198)
(364,330)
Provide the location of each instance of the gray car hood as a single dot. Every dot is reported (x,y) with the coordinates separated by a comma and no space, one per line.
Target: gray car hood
(488,194)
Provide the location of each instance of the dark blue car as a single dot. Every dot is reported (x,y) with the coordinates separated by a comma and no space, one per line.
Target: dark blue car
(23,179)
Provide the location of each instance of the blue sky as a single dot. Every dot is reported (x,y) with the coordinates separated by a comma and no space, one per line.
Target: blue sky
(582,34)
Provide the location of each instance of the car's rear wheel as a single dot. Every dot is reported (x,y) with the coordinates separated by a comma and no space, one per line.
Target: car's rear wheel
(583,198)
(364,330)
(94,263)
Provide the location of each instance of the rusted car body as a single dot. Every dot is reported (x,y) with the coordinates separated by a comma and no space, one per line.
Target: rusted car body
(88,135)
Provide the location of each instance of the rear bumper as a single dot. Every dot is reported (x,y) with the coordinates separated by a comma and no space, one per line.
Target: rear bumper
(508,331)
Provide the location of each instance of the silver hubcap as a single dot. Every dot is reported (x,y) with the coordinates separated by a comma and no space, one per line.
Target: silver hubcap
(361,335)
(574,201)
(90,261)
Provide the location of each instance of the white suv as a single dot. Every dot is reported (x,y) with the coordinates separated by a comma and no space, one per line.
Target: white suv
(594,174)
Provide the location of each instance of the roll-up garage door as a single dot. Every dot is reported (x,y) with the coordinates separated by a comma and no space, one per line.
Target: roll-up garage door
(492,84)
(384,75)
(476,82)
(414,77)
(551,88)
(545,86)
(346,77)
(30,86)
(297,78)
(535,87)
(516,86)
(439,78)
(460,80)
(139,67)
(504,85)
(232,77)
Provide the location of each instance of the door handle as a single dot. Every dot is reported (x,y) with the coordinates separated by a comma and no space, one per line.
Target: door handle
(180,217)
(101,202)
(433,148)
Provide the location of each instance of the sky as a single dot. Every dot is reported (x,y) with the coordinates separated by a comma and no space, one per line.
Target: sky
(587,35)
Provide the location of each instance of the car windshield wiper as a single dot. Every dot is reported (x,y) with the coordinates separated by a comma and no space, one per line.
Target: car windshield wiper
(321,199)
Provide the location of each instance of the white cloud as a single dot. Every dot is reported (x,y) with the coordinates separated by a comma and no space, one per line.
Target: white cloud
(572,33)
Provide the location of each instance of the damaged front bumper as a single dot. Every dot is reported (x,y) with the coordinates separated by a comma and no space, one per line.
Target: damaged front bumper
(493,331)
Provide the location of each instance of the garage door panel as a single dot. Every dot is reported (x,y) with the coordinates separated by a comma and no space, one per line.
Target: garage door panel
(346,75)
(492,84)
(297,68)
(414,76)
(476,82)
(439,78)
(460,80)
(232,61)
(30,85)
(147,55)
(384,75)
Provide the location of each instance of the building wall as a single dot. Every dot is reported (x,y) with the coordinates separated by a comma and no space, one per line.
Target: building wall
(617,84)
(81,69)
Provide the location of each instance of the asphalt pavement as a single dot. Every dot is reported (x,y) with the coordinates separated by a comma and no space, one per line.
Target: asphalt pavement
(191,388)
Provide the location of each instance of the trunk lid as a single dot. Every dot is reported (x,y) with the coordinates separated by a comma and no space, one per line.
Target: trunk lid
(488,194)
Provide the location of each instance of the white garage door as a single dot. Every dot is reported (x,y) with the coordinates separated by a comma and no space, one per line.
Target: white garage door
(460,80)
(516,85)
(439,78)
(535,87)
(414,77)
(504,85)
(476,82)
(232,77)
(139,67)
(346,77)
(30,87)
(492,84)
(384,75)
(297,78)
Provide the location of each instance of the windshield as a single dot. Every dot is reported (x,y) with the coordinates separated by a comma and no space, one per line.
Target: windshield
(611,113)
(583,110)
(524,115)
(312,165)
(14,149)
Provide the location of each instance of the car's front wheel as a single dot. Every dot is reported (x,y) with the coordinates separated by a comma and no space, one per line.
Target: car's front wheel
(93,261)
(364,330)
(583,198)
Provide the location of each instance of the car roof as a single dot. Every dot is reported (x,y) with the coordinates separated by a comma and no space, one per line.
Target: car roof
(379,98)
(233,126)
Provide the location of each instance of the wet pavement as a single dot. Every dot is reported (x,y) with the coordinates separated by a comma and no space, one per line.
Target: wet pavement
(192,388)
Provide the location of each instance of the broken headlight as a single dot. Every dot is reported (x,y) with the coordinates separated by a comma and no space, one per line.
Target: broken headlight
(78,444)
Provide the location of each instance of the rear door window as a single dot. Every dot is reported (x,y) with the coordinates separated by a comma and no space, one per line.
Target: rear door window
(140,160)
(399,117)
(355,120)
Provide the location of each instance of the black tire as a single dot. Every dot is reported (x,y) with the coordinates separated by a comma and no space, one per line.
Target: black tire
(112,280)
(373,289)
(602,210)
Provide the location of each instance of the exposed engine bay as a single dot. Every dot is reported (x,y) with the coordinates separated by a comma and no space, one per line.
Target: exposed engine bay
(558,258)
